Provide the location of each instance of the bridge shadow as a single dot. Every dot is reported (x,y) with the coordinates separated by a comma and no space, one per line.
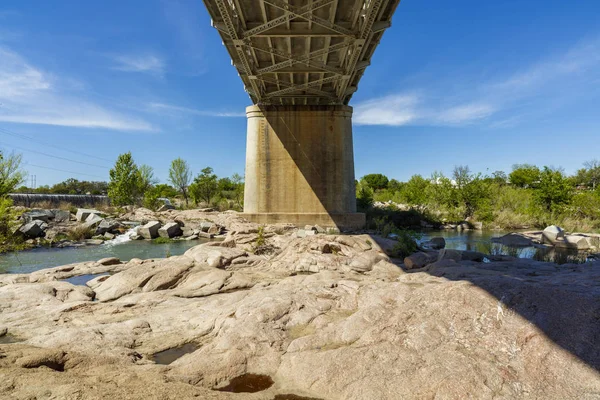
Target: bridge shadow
(562,301)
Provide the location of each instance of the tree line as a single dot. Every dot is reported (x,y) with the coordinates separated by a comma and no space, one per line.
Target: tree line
(132,184)
(527,196)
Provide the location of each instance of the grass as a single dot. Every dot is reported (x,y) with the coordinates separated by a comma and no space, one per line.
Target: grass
(81,232)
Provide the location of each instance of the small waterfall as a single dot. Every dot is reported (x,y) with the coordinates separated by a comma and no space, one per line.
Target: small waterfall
(124,238)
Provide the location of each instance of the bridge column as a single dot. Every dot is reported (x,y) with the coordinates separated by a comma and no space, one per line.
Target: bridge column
(300,166)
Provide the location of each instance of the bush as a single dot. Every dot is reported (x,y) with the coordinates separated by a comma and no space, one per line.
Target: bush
(8,224)
(406,245)
(81,232)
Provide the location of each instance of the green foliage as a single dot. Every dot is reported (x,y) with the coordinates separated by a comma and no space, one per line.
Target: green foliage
(524,175)
(151,201)
(375,181)
(164,190)
(406,245)
(11,174)
(205,186)
(146,179)
(8,224)
(180,176)
(124,181)
(80,232)
(260,238)
(415,191)
(364,197)
(554,189)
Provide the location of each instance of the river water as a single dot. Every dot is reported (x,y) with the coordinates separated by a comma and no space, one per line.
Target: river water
(33,260)
(36,259)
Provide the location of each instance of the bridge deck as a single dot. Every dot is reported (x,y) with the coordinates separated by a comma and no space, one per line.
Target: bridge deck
(290,52)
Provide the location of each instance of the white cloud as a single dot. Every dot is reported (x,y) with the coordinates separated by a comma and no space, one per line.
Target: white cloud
(28,95)
(185,110)
(140,63)
(410,109)
(541,87)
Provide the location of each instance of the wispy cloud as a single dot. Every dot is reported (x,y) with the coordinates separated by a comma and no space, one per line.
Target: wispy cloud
(148,63)
(29,95)
(172,109)
(412,109)
(499,102)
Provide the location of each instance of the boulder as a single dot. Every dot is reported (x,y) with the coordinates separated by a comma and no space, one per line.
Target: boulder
(513,240)
(38,215)
(33,229)
(84,213)
(205,226)
(107,225)
(108,236)
(419,260)
(109,261)
(578,242)
(552,233)
(61,215)
(150,230)
(449,254)
(92,221)
(170,230)
(165,207)
(364,262)
(467,255)
(437,243)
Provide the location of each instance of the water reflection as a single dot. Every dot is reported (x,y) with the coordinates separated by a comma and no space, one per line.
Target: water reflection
(481,241)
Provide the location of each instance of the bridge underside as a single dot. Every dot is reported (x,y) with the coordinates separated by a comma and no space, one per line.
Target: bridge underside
(300,61)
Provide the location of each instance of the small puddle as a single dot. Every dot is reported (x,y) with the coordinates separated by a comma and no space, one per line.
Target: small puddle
(81,280)
(166,357)
(293,397)
(248,383)
(8,339)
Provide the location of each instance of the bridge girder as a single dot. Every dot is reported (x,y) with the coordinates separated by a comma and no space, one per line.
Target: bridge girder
(288,52)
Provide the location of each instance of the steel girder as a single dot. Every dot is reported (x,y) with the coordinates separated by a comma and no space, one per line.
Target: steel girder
(288,51)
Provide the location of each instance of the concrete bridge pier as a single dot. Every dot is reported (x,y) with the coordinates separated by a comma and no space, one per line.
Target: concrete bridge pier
(300,166)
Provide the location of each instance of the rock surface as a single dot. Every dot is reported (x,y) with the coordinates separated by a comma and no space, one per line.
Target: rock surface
(325,316)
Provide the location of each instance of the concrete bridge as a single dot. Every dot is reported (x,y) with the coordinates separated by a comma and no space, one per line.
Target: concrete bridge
(300,62)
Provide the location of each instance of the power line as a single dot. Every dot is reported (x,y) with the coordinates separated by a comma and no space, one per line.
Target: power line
(22,136)
(58,157)
(62,170)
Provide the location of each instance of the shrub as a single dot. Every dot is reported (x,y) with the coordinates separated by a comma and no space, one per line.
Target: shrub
(81,232)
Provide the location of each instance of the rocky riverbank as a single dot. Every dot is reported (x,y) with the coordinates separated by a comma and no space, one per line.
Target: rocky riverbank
(319,316)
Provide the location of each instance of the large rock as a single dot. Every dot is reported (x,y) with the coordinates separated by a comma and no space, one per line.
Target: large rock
(108,225)
(419,260)
(437,243)
(552,233)
(38,215)
(61,215)
(150,230)
(579,242)
(92,221)
(33,229)
(450,254)
(513,240)
(170,230)
(84,213)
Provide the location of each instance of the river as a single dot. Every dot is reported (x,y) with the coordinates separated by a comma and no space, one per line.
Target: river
(33,260)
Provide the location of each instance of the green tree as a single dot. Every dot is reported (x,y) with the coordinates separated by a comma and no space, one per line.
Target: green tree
(180,176)
(11,174)
(553,190)
(238,192)
(376,181)
(146,178)
(415,191)
(205,186)
(524,175)
(364,196)
(124,181)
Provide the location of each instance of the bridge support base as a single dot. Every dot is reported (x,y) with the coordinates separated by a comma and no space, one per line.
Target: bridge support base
(300,166)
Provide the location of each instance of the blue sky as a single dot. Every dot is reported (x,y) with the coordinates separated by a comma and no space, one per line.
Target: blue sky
(482,83)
